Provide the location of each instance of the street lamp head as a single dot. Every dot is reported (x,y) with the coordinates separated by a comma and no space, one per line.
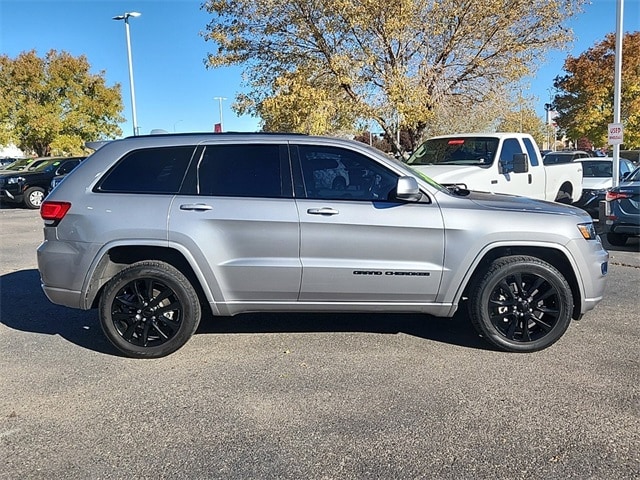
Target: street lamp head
(127,15)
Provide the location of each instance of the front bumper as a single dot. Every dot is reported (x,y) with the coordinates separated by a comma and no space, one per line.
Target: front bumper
(10,194)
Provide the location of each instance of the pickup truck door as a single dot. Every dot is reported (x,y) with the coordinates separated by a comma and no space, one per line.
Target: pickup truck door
(359,244)
(537,178)
(516,183)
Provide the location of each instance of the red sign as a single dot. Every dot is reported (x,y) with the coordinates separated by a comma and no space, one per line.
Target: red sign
(217,127)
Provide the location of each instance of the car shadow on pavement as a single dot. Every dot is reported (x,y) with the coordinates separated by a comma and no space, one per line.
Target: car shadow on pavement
(454,331)
(24,307)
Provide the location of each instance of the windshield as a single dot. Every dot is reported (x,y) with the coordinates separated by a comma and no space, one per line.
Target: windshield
(419,174)
(18,164)
(455,151)
(634,177)
(47,166)
(597,169)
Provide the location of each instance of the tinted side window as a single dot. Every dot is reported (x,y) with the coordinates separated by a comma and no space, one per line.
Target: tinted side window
(531,151)
(151,170)
(340,174)
(510,147)
(243,171)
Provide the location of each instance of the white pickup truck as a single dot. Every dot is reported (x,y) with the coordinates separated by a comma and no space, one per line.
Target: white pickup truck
(499,163)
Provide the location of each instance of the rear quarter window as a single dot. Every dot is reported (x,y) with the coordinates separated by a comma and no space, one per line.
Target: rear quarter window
(149,170)
(531,151)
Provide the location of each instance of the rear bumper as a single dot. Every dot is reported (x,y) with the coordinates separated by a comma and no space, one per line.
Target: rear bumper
(59,296)
(626,228)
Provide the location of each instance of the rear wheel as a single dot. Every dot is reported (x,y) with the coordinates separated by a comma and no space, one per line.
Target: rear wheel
(521,304)
(563,197)
(149,310)
(33,197)
(617,239)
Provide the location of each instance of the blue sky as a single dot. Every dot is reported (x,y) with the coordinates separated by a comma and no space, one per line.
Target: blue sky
(174,91)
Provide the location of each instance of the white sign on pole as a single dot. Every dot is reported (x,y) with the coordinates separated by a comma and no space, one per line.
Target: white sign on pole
(615,133)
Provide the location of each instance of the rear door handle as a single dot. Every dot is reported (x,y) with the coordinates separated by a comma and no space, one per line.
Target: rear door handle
(323,211)
(196,206)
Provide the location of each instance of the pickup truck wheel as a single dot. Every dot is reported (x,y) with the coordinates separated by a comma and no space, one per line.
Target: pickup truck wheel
(563,197)
(521,304)
(617,239)
(149,310)
(33,197)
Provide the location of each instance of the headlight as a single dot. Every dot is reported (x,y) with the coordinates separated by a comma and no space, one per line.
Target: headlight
(13,180)
(587,230)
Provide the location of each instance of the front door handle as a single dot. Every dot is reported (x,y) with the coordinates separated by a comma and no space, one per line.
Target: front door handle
(323,211)
(196,206)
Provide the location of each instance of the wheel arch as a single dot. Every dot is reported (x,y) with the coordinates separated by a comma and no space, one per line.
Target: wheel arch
(555,257)
(565,193)
(117,258)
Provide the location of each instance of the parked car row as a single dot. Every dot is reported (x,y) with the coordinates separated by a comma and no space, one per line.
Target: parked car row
(597,178)
(28,181)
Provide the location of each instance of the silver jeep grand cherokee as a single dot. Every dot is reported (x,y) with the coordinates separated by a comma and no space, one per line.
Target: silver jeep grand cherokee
(151,230)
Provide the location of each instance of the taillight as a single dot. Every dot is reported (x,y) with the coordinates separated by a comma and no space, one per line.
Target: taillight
(610,196)
(54,211)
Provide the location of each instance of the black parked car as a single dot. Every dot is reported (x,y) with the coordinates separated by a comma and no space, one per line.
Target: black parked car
(623,212)
(31,186)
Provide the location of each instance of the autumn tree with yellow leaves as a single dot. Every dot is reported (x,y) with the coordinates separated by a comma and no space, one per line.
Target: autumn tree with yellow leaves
(584,101)
(325,66)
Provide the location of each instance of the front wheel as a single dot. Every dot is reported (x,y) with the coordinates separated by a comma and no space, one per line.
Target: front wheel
(33,197)
(149,310)
(521,304)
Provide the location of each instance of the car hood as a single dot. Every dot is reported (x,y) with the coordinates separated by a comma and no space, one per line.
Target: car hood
(591,183)
(20,173)
(498,201)
(447,174)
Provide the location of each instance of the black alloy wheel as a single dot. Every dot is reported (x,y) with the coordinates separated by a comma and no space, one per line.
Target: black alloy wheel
(522,304)
(149,310)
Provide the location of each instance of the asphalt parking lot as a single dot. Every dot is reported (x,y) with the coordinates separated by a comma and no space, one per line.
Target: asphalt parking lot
(313,396)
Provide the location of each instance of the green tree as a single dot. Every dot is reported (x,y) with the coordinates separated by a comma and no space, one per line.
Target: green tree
(584,100)
(52,105)
(395,62)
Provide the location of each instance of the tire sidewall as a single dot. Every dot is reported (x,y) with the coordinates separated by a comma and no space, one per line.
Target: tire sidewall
(495,276)
(173,279)
(27,197)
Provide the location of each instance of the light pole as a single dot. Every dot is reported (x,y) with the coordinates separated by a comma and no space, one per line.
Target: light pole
(125,17)
(220,99)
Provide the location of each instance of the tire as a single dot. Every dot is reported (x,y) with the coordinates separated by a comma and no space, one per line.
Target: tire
(617,239)
(563,197)
(33,197)
(149,310)
(521,304)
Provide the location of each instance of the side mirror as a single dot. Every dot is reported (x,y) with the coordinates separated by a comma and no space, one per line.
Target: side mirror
(520,163)
(407,189)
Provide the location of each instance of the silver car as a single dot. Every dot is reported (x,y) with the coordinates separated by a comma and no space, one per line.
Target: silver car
(151,230)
